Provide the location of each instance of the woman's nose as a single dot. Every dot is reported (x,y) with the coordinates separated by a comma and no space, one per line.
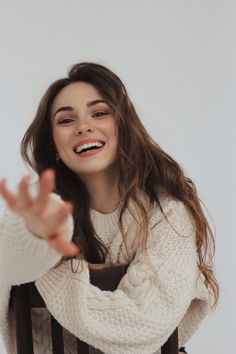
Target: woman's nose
(82,129)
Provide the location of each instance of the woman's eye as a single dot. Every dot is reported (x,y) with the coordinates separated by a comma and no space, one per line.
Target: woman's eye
(65,120)
(99,114)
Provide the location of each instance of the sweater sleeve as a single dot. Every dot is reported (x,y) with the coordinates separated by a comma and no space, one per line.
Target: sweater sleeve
(24,257)
(151,298)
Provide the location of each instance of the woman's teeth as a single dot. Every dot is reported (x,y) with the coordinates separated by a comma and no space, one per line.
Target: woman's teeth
(88,146)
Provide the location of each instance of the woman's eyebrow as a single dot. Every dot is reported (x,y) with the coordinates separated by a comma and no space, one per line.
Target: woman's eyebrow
(92,103)
(63,109)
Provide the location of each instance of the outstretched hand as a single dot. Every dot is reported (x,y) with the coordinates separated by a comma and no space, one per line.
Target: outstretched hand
(45,216)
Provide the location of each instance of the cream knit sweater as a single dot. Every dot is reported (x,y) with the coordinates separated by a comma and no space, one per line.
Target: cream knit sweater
(136,318)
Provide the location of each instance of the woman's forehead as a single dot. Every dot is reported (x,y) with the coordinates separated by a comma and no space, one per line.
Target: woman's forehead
(75,93)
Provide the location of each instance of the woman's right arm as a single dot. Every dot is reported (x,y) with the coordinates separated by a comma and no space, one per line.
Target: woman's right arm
(34,231)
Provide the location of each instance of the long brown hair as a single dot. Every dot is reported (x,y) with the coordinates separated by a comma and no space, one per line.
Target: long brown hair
(143,163)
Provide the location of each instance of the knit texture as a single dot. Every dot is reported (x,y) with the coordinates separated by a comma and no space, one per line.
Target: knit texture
(156,295)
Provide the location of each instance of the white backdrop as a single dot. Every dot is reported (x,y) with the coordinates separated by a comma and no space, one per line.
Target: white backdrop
(177,60)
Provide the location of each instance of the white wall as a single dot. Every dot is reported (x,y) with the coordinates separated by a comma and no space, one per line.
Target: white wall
(177,59)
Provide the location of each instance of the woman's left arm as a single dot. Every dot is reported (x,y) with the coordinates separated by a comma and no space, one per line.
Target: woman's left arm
(151,298)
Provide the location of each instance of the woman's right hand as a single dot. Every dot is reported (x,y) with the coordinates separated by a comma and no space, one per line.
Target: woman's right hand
(45,216)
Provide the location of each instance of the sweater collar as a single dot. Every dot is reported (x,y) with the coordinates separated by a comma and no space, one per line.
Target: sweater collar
(109,223)
(105,223)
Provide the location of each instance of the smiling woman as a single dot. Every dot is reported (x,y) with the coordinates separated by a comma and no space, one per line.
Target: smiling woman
(81,116)
(107,195)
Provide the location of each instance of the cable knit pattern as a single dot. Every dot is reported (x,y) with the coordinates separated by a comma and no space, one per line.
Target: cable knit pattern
(156,294)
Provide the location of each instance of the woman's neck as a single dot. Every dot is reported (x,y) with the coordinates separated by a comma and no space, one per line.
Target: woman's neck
(103,191)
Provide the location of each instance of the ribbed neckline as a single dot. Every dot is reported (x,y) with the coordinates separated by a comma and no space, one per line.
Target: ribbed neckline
(106,223)
(109,223)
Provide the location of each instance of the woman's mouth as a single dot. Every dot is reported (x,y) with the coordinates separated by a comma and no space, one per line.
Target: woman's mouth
(89,149)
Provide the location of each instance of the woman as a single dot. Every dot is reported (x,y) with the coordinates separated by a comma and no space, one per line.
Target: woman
(130,202)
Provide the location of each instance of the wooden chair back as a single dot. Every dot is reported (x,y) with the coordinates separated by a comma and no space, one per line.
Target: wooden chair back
(26,296)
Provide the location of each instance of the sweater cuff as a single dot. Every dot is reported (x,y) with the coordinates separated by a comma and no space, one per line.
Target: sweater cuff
(54,280)
(24,257)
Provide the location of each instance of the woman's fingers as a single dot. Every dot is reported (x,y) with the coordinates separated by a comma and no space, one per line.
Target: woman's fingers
(58,240)
(61,216)
(46,186)
(25,199)
(62,245)
(19,201)
(44,216)
(9,197)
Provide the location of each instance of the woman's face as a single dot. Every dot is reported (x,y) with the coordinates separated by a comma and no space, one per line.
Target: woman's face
(79,113)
